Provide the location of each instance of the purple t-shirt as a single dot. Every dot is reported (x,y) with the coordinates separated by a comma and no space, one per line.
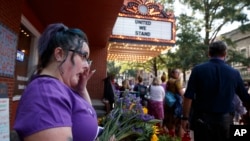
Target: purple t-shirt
(48,103)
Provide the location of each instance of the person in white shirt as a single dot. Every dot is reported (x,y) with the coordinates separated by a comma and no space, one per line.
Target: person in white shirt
(155,103)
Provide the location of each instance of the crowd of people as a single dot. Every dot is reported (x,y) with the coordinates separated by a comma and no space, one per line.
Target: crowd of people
(215,98)
(56,99)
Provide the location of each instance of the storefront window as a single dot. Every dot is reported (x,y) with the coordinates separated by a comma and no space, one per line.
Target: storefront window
(22,60)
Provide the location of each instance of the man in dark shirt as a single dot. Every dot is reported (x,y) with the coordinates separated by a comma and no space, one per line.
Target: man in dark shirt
(109,92)
(141,90)
(209,95)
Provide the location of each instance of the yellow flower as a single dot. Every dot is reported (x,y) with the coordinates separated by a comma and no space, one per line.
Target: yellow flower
(154,137)
(156,130)
(145,110)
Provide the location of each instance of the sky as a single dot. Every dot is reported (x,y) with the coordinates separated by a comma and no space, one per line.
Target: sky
(179,8)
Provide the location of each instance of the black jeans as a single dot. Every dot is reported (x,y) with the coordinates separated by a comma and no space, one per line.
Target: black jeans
(212,127)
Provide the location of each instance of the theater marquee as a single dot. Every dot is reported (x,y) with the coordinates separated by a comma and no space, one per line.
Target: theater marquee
(143,30)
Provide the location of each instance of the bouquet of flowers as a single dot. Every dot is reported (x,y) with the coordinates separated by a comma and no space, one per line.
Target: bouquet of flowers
(129,121)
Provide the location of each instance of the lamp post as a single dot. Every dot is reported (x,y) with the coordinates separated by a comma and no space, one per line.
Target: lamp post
(126,74)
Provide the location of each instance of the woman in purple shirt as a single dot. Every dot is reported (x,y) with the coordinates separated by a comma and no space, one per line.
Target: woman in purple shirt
(56,105)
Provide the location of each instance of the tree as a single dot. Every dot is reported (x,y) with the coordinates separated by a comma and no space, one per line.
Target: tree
(215,14)
(218,13)
(152,65)
(112,69)
(190,50)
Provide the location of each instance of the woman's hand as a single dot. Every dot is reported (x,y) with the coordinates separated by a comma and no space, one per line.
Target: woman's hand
(84,78)
(86,75)
(82,84)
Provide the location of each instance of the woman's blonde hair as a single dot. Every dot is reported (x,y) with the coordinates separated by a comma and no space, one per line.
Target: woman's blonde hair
(156,81)
(125,84)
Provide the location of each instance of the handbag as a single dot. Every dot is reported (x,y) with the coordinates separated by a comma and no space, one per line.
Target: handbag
(170,99)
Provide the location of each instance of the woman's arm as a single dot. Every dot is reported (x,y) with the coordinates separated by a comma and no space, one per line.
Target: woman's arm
(82,86)
(179,88)
(52,134)
(181,91)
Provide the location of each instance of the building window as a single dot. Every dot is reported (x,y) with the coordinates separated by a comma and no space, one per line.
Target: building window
(243,51)
(22,60)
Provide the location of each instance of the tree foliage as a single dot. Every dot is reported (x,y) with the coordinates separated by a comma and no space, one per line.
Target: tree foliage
(218,13)
(190,49)
(112,68)
(215,14)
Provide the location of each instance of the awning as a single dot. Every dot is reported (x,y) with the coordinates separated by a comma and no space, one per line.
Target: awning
(130,52)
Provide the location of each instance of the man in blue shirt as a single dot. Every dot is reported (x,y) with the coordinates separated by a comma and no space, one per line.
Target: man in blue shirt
(209,95)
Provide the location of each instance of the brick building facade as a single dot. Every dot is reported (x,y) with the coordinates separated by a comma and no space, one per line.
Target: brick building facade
(15,15)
